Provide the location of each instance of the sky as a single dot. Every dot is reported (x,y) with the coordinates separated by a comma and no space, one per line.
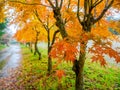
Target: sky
(12,29)
(115,15)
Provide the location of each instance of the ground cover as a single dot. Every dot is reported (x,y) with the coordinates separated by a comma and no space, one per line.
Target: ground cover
(34,74)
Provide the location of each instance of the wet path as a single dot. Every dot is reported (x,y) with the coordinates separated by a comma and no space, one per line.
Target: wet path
(12,57)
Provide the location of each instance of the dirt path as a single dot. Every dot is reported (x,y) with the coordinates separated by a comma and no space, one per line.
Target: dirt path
(12,57)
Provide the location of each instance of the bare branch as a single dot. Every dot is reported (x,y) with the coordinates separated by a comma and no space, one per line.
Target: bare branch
(65,21)
(61,4)
(69,4)
(85,9)
(78,9)
(104,11)
(51,3)
(51,26)
(96,3)
(55,33)
(47,20)
(56,1)
(36,13)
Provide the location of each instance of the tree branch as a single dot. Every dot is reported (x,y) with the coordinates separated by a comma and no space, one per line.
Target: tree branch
(36,13)
(96,3)
(61,4)
(69,4)
(55,33)
(51,26)
(78,9)
(51,3)
(103,12)
(28,3)
(56,1)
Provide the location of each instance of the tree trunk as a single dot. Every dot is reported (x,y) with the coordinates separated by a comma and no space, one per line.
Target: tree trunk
(49,64)
(36,50)
(78,67)
(30,46)
(49,49)
(59,22)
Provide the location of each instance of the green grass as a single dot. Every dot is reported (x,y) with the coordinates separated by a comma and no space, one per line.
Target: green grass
(2,63)
(2,47)
(34,75)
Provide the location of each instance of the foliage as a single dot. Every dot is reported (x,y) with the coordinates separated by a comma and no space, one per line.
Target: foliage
(2,63)
(2,27)
(2,15)
(2,47)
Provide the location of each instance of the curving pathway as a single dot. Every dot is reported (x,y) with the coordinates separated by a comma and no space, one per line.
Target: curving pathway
(12,57)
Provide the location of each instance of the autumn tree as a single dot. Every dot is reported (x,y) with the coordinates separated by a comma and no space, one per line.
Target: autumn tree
(50,37)
(90,13)
(31,34)
(43,15)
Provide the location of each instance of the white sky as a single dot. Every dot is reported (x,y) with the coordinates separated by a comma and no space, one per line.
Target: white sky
(12,29)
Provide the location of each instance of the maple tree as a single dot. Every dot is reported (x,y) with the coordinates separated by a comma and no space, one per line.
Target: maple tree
(87,17)
(91,14)
(42,16)
(30,34)
(50,37)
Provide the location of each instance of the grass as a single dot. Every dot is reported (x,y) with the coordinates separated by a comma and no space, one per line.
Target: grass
(2,63)
(34,75)
(2,47)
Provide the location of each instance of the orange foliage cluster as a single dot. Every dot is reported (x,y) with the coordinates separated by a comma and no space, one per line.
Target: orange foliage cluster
(60,74)
(64,50)
(100,50)
(2,15)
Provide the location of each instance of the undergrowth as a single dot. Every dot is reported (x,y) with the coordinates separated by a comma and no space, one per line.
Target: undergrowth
(2,47)
(32,75)
(95,77)
(2,63)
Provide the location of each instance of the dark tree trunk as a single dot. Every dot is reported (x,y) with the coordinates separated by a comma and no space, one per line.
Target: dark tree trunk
(49,64)
(59,22)
(36,48)
(49,49)
(49,60)
(30,46)
(37,51)
(78,67)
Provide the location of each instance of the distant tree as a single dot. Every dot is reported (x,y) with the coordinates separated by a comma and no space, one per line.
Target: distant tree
(2,27)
